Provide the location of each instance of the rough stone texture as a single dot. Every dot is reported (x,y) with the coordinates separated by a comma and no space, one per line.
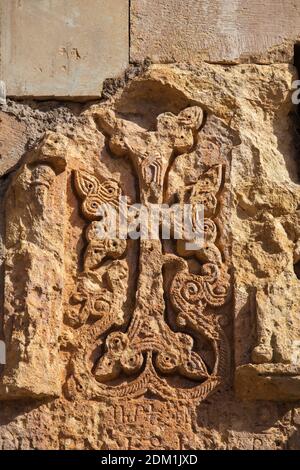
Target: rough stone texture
(34,216)
(62,49)
(12,141)
(227,31)
(134,344)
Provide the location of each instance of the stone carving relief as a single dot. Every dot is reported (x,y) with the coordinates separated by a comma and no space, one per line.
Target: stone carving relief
(112,340)
(34,275)
(147,352)
(101,289)
(273,370)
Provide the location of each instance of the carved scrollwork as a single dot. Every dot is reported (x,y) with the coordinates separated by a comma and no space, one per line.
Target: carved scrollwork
(100,296)
(191,293)
(95,194)
(101,290)
(100,248)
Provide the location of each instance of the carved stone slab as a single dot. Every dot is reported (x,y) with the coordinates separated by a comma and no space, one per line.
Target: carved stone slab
(126,343)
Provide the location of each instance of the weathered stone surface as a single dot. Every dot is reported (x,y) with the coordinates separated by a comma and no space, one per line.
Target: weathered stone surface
(278,382)
(62,49)
(152,343)
(34,277)
(227,31)
(12,142)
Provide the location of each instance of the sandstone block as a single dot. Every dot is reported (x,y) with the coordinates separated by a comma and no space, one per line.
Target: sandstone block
(62,49)
(214,30)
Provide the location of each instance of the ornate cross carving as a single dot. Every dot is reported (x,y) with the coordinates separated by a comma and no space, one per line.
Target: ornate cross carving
(157,350)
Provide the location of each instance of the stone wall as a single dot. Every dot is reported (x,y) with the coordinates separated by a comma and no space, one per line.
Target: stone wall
(121,343)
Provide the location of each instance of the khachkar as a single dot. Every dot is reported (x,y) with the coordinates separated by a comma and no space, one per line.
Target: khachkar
(87,318)
(156,349)
(70,326)
(130,335)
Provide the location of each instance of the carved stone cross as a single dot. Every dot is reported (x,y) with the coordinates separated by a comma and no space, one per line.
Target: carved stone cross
(152,348)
